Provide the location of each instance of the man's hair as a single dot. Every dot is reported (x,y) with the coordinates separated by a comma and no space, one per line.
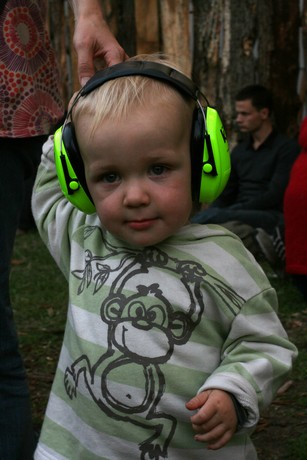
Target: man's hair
(261,97)
(114,99)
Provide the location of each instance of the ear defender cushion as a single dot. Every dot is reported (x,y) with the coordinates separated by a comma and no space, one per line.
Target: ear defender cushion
(73,185)
(213,168)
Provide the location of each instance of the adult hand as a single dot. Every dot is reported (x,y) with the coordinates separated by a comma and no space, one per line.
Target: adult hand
(216,419)
(93,41)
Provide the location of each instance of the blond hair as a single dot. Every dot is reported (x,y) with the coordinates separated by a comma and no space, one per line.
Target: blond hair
(115,98)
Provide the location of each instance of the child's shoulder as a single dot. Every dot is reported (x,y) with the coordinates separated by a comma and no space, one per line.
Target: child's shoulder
(201,234)
(215,246)
(209,242)
(222,255)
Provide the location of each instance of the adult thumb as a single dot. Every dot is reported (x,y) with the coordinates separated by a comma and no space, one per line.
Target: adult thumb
(86,68)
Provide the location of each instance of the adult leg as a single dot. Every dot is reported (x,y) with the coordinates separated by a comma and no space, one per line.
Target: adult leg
(16,433)
(267,220)
(26,221)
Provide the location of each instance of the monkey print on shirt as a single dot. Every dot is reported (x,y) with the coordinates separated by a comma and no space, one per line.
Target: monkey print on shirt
(153,305)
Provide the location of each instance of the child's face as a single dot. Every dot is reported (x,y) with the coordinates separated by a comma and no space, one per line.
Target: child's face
(138,172)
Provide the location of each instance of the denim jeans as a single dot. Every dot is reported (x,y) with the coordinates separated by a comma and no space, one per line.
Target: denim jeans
(19,159)
(266,219)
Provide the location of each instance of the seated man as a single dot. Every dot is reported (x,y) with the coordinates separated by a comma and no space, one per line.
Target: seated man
(261,163)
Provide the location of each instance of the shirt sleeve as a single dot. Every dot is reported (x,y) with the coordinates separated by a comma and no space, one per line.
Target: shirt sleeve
(255,364)
(56,218)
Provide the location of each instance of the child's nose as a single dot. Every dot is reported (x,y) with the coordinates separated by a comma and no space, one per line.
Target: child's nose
(136,194)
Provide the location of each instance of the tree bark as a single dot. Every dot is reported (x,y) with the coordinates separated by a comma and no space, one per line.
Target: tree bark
(147,26)
(284,62)
(176,32)
(212,48)
(120,15)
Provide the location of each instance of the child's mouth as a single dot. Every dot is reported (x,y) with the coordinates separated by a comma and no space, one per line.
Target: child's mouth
(141,224)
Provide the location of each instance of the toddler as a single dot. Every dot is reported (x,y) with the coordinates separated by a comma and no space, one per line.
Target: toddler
(172,345)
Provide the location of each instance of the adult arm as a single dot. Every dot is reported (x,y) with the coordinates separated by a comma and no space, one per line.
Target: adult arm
(93,39)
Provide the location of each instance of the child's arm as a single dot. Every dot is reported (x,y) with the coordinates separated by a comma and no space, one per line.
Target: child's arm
(216,419)
(256,358)
(55,217)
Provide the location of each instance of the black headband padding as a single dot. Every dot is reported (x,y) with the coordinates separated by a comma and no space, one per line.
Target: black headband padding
(145,68)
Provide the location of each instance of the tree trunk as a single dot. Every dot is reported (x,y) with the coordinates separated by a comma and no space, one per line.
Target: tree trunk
(147,26)
(120,17)
(284,65)
(175,32)
(212,46)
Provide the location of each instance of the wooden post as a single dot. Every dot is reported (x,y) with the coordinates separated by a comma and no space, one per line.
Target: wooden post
(175,27)
(147,26)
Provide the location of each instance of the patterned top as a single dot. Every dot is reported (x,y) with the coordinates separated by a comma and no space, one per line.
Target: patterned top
(147,329)
(30,95)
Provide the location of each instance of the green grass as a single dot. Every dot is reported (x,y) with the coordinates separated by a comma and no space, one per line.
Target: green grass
(39,298)
(297,447)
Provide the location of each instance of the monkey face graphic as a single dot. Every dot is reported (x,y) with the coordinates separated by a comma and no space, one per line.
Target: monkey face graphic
(145,326)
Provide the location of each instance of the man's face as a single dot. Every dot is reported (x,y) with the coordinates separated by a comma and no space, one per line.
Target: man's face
(248,118)
(138,172)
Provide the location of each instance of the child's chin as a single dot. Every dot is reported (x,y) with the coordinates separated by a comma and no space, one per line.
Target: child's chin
(143,241)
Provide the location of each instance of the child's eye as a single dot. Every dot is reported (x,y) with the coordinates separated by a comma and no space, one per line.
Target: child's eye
(157,170)
(110,178)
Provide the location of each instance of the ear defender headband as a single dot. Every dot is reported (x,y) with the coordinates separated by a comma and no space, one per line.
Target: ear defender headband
(210,159)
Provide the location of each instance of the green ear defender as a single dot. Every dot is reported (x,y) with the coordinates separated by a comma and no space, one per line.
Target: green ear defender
(71,185)
(215,168)
(210,159)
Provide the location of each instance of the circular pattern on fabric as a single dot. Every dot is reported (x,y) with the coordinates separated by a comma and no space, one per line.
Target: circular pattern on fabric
(30,97)
(20,34)
(23,38)
(36,112)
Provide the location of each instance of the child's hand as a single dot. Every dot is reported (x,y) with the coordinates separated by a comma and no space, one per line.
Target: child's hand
(216,419)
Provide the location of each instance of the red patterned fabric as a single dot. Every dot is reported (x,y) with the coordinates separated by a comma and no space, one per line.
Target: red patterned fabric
(295,211)
(30,96)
